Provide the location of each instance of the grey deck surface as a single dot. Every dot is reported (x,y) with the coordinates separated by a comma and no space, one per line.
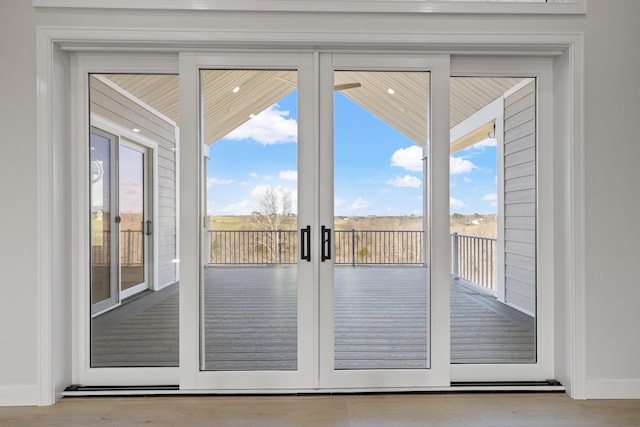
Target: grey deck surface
(380,323)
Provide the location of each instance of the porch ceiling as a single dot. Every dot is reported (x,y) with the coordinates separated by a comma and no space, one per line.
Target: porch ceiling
(405,110)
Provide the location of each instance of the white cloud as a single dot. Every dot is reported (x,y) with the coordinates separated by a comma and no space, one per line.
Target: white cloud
(337,202)
(268,177)
(456,203)
(358,204)
(409,158)
(269,127)
(405,181)
(467,179)
(243,207)
(488,142)
(253,175)
(260,190)
(459,165)
(289,175)
(211,181)
(492,198)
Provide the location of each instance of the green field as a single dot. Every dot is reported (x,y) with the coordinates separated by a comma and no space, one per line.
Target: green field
(472,225)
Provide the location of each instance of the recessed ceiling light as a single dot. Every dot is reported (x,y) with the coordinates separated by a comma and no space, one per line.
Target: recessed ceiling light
(236,89)
(93,148)
(251,116)
(136,130)
(391,91)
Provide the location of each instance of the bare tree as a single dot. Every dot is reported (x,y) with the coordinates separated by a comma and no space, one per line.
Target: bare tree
(274,214)
(274,209)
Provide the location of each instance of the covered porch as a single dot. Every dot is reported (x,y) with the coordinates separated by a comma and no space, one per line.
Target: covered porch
(250,322)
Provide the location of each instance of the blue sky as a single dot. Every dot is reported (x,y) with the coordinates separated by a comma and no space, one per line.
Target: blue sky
(377,169)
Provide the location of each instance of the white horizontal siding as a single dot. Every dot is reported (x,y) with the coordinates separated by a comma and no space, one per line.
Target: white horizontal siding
(520,183)
(519,144)
(520,223)
(521,261)
(114,106)
(520,198)
(516,235)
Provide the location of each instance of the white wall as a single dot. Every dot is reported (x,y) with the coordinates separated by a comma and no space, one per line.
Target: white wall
(612,201)
(18,292)
(612,197)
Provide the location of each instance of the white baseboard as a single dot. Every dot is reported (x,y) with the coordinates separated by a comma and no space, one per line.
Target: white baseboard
(19,395)
(613,388)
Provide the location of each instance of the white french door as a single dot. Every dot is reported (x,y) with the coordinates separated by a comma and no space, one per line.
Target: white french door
(265,302)
(384,296)
(299,283)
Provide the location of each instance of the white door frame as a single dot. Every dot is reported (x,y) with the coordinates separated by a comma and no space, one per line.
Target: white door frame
(52,138)
(82,66)
(320,357)
(192,217)
(542,70)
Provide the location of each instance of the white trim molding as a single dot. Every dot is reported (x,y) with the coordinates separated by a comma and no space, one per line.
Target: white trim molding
(608,388)
(20,395)
(576,7)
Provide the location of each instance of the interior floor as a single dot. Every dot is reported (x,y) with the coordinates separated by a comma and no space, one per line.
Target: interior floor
(397,410)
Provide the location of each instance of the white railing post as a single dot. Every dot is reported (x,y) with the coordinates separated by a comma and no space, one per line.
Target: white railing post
(279,238)
(353,247)
(456,265)
(207,240)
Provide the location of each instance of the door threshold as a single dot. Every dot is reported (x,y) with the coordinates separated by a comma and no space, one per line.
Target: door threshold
(550,386)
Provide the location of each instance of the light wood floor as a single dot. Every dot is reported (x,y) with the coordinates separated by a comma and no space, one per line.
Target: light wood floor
(463,410)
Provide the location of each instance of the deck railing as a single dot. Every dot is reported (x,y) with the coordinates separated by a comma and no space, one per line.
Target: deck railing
(472,258)
(253,247)
(390,247)
(352,247)
(131,247)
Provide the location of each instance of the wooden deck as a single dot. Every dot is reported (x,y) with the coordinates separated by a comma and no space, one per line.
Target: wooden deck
(250,323)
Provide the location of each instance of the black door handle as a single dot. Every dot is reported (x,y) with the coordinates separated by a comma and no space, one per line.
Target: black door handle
(326,243)
(305,243)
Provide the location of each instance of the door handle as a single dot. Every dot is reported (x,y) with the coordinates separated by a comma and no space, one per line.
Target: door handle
(305,243)
(326,243)
(149,227)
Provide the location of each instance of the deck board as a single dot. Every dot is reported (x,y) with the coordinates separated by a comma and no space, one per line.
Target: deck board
(250,323)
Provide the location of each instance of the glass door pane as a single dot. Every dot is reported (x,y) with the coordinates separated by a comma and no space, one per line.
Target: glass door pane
(493,220)
(139,328)
(131,194)
(381,292)
(251,251)
(104,278)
